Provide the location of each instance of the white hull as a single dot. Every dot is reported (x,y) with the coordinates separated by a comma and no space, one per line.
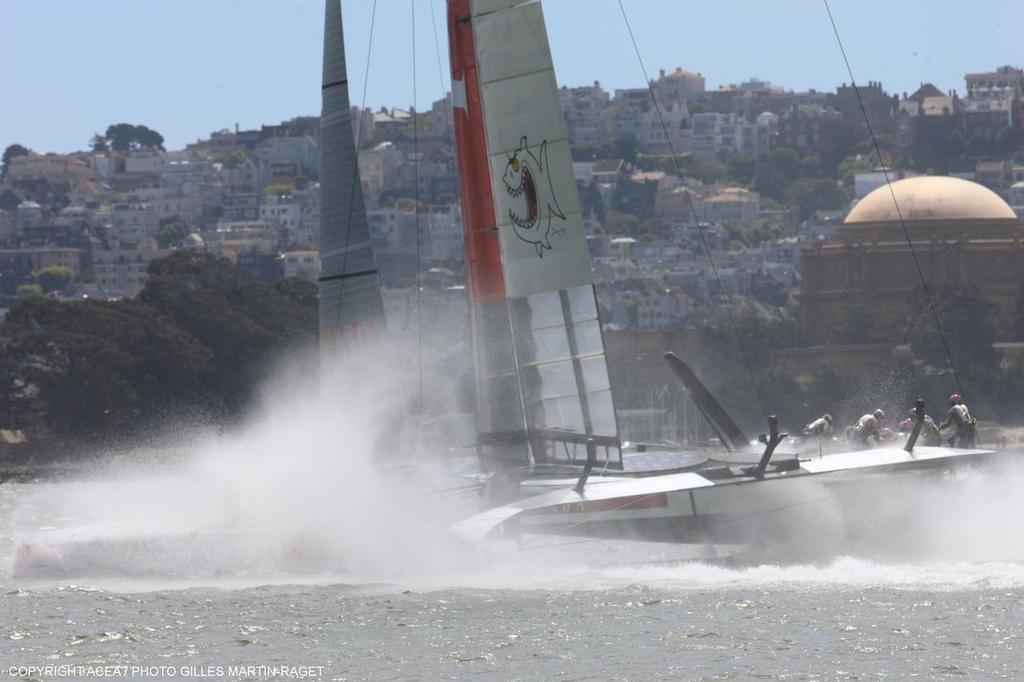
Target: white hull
(831,499)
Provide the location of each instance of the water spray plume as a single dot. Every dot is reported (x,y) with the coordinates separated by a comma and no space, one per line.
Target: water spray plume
(331,479)
(328,474)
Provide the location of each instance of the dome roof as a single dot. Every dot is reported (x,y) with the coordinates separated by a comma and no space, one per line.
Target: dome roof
(931,198)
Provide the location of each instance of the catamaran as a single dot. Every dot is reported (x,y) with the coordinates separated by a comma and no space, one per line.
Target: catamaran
(548,442)
(543,396)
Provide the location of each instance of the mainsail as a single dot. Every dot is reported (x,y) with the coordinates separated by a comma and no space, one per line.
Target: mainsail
(542,378)
(350,304)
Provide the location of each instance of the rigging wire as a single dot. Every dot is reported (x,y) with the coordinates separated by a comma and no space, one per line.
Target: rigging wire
(440,76)
(899,213)
(696,218)
(416,209)
(355,164)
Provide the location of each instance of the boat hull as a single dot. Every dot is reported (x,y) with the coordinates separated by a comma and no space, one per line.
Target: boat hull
(823,504)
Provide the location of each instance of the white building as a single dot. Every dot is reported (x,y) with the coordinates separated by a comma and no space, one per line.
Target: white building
(727,134)
(302,264)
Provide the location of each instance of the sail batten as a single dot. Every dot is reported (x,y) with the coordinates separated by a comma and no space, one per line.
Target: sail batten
(542,378)
(351,310)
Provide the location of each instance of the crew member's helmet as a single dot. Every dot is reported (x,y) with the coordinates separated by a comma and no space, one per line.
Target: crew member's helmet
(879,415)
(827,418)
(955,399)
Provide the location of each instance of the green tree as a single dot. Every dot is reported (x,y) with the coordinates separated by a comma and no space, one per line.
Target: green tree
(246,324)
(1018,317)
(593,204)
(810,195)
(969,324)
(956,152)
(852,165)
(622,224)
(172,231)
(302,292)
(625,148)
(102,366)
(198,340)
(98,143)
(775,173)
(53,278)
(125,137)
(27,291)
(860,324)
(11,152)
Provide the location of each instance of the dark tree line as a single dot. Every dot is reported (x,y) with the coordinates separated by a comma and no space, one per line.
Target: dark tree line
(195,345)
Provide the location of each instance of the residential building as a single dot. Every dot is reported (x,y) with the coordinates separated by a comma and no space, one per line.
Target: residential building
(1010,77)
(677,87)
(305,264)
(231,238)
(123,272)
(17,265)
(732,205)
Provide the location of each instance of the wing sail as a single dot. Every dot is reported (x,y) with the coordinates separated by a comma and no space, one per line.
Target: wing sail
(351,310)
(543,386)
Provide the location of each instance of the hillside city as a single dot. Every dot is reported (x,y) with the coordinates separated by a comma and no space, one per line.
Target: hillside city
(768,171)
(715,222)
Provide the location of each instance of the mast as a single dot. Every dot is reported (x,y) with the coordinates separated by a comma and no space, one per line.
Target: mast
(351,310)
(542,379)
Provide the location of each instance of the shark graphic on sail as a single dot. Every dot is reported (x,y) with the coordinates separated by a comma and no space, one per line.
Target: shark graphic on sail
(527,183)
(543,392)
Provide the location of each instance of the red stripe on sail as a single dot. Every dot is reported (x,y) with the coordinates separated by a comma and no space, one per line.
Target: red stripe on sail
(483,250)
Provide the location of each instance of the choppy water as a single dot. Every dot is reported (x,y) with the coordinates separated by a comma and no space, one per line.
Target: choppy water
(848,618)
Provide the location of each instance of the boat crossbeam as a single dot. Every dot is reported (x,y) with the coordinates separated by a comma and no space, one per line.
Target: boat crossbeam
(771,441)
(918,423)
(591,458)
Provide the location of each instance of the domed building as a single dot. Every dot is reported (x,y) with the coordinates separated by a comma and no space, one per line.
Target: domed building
(961,231)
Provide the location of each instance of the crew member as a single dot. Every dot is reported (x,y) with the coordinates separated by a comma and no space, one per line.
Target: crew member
(964,425)
(819,428)
(930,432)
(867,427)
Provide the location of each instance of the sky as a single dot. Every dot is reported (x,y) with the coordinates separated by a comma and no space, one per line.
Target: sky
(186,68)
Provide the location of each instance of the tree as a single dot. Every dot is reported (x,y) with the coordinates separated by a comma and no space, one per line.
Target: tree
(625,148)
(198,340)
(852,165)
(969,324)
(98,143)
(956,149)
(27,291)
(11,152)
(53,278)
(125,137)
(810,195)
(775,173)
(1018,318)
(621,224)
(171,233)
(593,204)
(246,324)
(302,292)
(860,324)
(100,366)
